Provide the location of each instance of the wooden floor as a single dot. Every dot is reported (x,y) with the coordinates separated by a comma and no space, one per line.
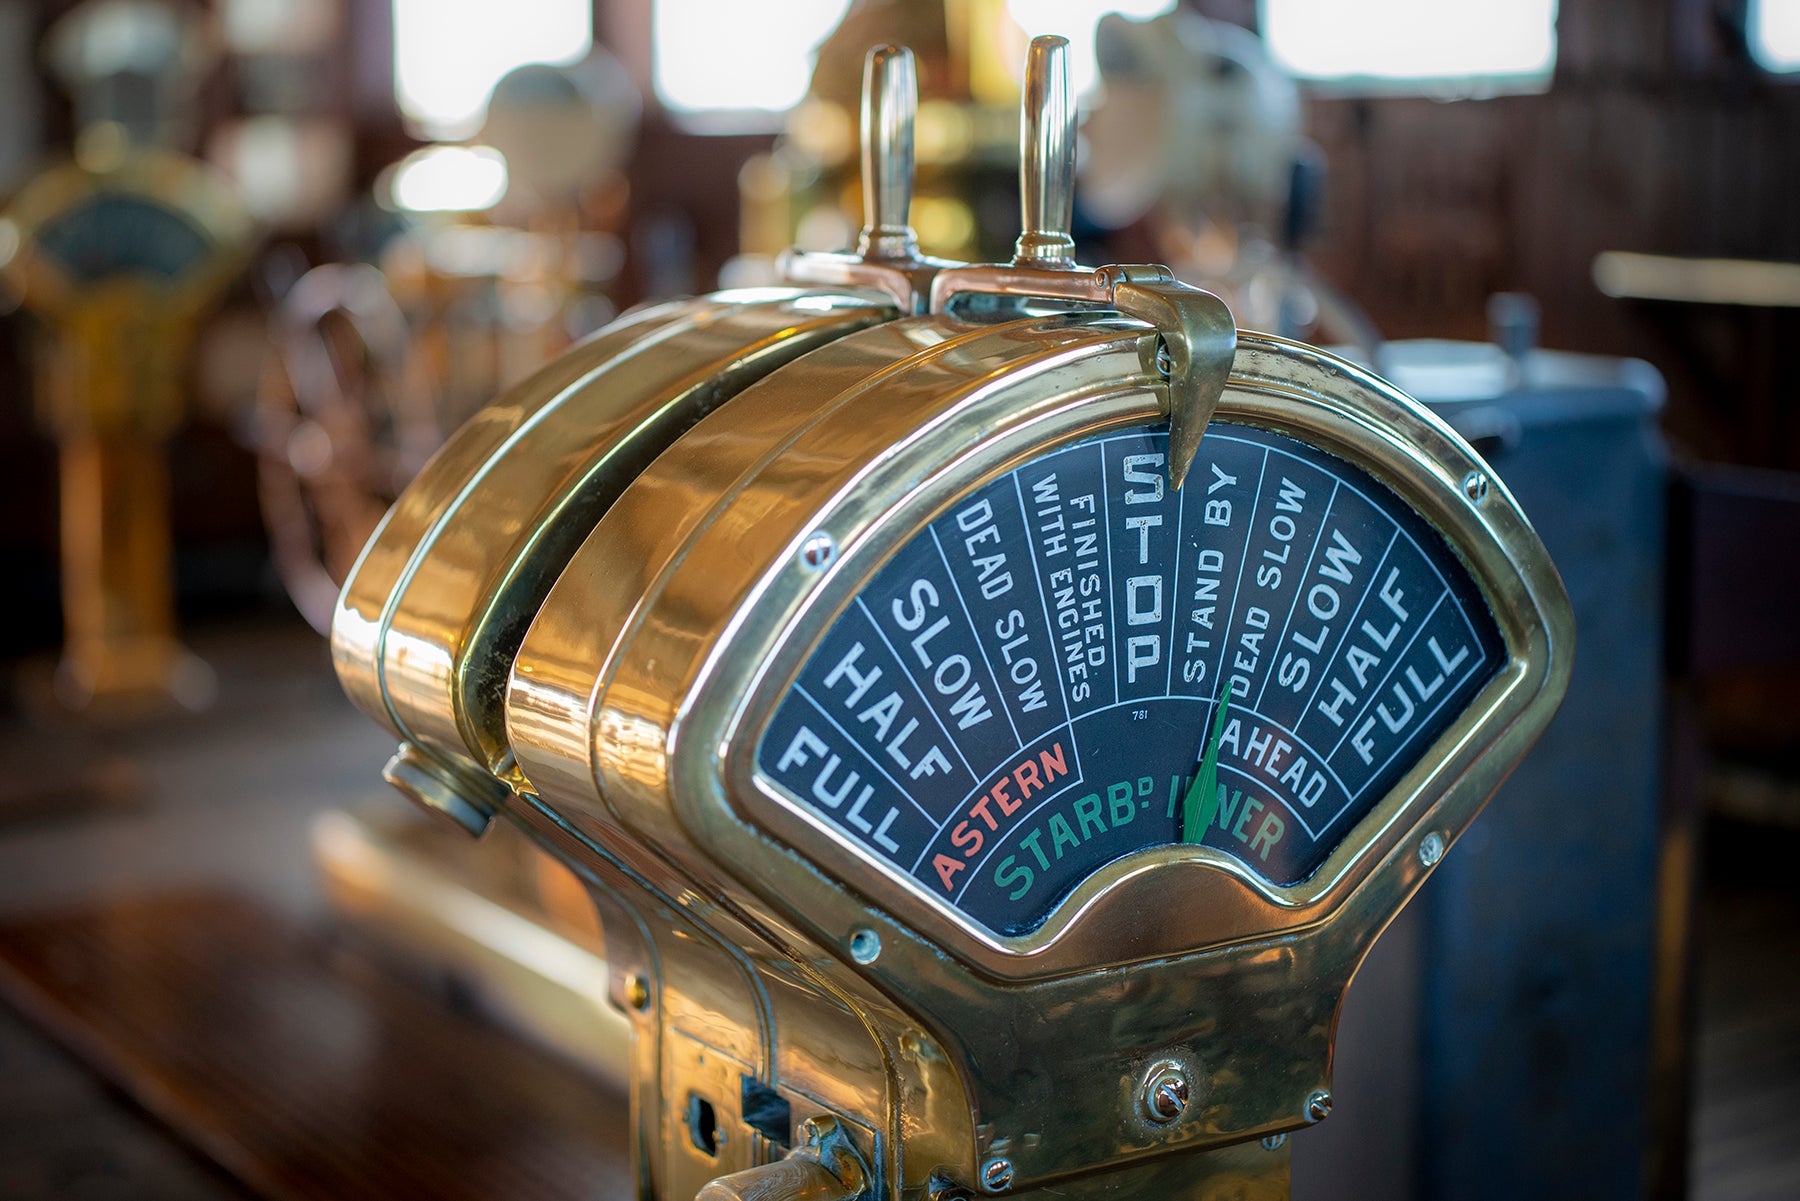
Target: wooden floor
(1747,1079)
(166,965)
(224,798)
(302,1069)
(65,1134)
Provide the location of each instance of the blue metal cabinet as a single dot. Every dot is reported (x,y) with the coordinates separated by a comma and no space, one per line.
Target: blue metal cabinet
(1498,1042)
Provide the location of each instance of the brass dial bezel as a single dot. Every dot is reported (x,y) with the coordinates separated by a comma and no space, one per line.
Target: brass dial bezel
(1276,385)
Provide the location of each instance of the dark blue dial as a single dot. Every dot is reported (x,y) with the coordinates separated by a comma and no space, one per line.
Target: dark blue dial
(1022,694)
(111,234)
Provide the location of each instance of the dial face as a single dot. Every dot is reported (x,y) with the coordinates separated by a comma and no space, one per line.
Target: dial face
(110,234)
(1029,689)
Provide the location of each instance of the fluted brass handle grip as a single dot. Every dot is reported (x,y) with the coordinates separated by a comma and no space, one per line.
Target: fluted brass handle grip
(889,101)
(826,1168)
(1046,156)
(798,1179)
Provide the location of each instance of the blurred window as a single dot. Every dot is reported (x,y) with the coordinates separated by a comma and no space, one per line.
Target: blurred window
(739,65)
(1078,20)
(743,63)
(448,54)
(1774,27)
(1433,46)
(450,179)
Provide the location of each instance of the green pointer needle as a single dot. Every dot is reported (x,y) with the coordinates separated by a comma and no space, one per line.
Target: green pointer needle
(1201,804)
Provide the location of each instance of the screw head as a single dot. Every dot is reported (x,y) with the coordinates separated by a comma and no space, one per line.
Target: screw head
(1431,849)
(637,992)
(1274,1142)
(1318,1106)
(865,945)
(1165,1094)
(997,1174)
(819,551)
(1475,486)
(942,1188)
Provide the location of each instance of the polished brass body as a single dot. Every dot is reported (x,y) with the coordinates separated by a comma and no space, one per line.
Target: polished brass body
(686,609)
(759,956)
(644,746)
(428,621)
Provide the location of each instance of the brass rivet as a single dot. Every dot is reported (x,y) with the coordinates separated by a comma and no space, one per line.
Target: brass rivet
(1165,1094)
(1318,1106)
(819,551)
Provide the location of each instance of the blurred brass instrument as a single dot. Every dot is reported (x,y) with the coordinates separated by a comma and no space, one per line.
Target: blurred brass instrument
(372,368)
(806,191)
(343,422)
(992,708)
(119,254)
(1199,139)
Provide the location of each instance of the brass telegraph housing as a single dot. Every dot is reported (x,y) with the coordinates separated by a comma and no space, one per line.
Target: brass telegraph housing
(589,611)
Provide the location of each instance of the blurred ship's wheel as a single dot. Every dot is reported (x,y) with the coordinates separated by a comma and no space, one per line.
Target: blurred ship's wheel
(341,426)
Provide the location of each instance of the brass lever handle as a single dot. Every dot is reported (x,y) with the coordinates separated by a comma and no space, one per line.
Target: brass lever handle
(1199,337)
(799,1178)
(890,100)
(1046,157)
(887,254)
(1198,334)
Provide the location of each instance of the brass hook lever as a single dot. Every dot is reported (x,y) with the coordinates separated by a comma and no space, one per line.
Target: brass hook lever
(1196,327)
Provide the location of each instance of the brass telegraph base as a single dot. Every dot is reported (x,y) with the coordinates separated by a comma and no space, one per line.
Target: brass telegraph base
(517,929)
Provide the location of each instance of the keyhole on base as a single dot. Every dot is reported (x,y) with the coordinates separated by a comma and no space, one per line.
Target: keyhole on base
(703,1124)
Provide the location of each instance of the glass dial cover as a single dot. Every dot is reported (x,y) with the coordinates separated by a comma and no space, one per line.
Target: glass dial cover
(1022,694)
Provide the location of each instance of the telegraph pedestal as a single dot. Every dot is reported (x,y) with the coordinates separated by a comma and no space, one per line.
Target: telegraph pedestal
(119,255)
(118,589)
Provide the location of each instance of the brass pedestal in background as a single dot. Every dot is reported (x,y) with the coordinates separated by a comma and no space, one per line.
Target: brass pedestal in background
(119,644)
(119,255)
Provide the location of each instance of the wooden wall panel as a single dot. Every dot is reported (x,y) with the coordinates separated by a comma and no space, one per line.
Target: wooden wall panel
(1656,136)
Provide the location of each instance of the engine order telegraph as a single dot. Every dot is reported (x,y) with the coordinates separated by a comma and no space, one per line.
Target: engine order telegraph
(994,707)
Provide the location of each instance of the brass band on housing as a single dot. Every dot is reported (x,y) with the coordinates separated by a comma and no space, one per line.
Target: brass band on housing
(428,620)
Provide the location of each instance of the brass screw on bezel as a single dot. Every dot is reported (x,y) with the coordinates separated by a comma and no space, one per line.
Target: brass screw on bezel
(1165,1094)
